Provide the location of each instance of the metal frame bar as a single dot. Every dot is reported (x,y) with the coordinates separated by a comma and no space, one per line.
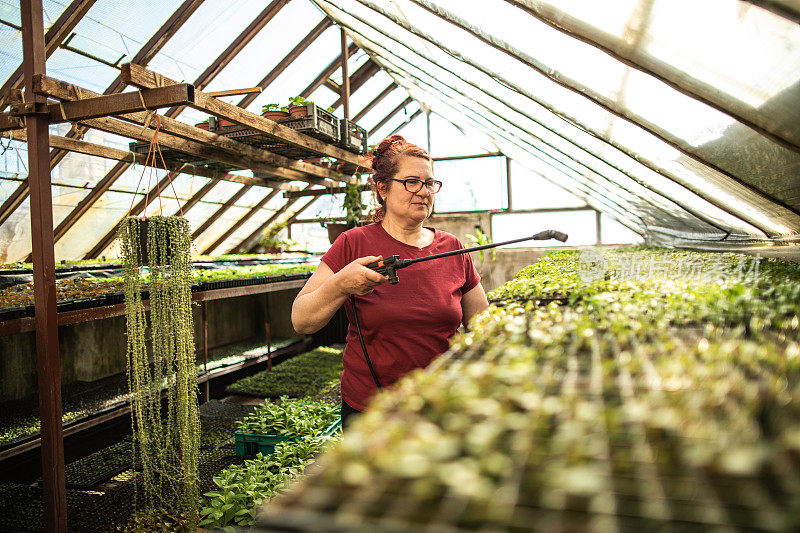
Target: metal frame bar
(408,121)
(44,277)
(239,223)
(357,80)
(783,8)
(344,96)
(628,55)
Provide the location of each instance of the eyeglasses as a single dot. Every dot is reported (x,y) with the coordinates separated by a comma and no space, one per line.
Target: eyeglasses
(414,185)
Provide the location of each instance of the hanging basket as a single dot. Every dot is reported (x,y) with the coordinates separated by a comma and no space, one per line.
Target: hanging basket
(161,254)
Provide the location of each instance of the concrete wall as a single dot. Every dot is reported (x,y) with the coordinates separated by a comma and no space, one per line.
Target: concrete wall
(93,350)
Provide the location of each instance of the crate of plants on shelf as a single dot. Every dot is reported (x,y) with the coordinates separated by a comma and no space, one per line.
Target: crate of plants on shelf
(301,115)
(662,401)
(285,421)
(353,137)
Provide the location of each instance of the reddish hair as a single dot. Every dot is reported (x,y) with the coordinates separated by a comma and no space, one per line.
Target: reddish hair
(385,160)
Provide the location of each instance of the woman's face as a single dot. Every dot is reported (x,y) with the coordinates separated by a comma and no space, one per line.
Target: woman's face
(404,205)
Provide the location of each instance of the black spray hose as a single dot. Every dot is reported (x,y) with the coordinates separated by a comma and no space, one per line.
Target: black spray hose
(361,340)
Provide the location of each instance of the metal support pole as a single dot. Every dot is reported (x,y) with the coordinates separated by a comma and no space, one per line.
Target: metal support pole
(428,129)
(345,78)
(44,275)
(508,183)
(268,331)
(597,217)
(206,389)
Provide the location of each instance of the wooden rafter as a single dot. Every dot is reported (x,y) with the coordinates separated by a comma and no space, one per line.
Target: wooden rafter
(392,86)
(391,114)
(239,223)
(254,235)
(220,211)
(143,78)
(289,59)
(358,79)
(327,72)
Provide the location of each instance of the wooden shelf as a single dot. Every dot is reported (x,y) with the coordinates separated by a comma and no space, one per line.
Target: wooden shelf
(26,324)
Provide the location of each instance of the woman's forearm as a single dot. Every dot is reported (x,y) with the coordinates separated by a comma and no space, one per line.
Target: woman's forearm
(311,311)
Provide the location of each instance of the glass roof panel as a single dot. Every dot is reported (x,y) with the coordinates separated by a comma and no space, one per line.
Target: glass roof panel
(300,72)
(15,235)
(219,226)
(278,37)
(208,32)
(102,217)
(531,191)
(11,37)
(471,184)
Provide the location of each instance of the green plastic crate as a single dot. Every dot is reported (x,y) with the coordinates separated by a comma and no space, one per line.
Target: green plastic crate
(251,443)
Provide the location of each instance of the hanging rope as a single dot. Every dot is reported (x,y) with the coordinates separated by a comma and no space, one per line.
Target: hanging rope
(150,163)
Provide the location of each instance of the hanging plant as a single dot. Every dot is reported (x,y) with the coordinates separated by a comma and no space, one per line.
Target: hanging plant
(166,447)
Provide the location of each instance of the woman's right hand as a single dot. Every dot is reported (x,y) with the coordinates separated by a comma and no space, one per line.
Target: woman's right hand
(356,278)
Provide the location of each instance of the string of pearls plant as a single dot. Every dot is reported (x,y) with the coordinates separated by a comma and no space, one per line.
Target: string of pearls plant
(165,446)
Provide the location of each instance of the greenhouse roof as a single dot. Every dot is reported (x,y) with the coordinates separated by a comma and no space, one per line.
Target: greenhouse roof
(679,119)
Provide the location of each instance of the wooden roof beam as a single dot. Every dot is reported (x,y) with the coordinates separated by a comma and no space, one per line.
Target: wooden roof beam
(327,72)
(289,59)
(239,223)
(143,78)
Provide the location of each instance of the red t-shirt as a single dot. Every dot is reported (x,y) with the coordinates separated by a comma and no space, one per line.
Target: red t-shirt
(405,326)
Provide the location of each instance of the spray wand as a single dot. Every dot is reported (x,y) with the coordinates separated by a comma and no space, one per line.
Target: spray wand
(390,265)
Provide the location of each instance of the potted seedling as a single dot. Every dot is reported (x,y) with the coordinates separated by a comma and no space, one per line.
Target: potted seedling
(274,112)
(354,212)
(298,106)
(202,125)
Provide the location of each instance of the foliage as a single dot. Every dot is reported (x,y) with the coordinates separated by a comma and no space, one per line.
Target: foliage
(479,239)
(353,206)
(300,376)
(146,520)
(242,488)
(289,418)
(270,107)
(299,101)
(639,397)
(166,446)
(71,289)
(270,238)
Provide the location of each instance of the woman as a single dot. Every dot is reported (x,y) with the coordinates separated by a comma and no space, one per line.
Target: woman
(404,326)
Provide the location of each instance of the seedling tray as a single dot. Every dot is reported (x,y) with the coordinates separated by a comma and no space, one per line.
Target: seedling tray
(252,443)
